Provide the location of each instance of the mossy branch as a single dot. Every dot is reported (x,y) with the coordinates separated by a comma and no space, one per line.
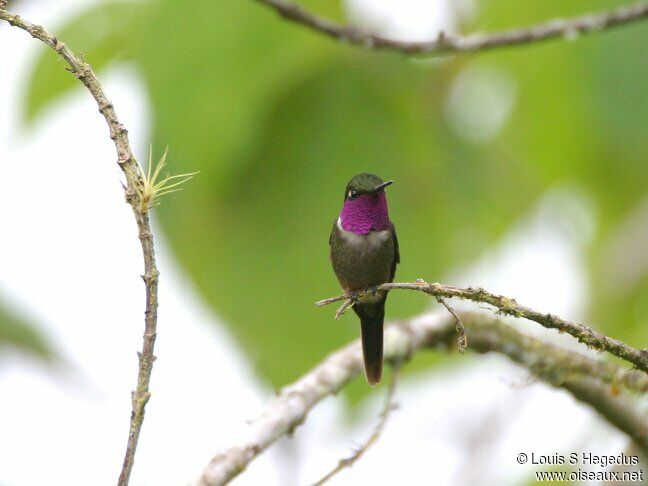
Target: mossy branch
(507,306)
(135,185)
(598,383)
(448,44)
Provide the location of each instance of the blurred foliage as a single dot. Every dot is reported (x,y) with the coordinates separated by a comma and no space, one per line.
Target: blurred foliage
(106,34)
(18,333)
(277,119)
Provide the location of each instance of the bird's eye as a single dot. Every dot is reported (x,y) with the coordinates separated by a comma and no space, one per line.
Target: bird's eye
(352,194)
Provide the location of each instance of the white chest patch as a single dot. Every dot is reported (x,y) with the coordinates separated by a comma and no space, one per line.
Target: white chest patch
(373,238)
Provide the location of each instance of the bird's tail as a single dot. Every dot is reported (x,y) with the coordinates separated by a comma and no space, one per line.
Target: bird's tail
(371,323)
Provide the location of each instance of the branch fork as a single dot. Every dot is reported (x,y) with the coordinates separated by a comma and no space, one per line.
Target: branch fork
(509,307)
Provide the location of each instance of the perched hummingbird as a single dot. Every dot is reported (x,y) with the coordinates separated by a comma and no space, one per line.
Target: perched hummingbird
(364,253)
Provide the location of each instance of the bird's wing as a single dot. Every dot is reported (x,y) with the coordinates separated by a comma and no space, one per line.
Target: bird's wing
(396,253)
(332,231)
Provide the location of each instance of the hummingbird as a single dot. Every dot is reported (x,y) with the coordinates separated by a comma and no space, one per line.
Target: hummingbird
(364,254)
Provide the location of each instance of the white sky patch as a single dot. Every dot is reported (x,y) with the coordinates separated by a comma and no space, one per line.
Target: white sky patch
(480,101)
(410,20)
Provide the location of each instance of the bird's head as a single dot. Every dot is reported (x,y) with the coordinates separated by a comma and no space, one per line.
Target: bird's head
(365,205)
(365,185)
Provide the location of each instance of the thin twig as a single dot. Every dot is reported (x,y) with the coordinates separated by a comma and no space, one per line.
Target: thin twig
(134,182)
(506,306)
(446,43)
(462,341)
(291,406)
(375,435)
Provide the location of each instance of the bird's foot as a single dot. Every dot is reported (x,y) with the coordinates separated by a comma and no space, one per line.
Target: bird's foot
(353,295)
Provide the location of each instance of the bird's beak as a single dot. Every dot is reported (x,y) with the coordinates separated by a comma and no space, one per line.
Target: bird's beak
(381,187)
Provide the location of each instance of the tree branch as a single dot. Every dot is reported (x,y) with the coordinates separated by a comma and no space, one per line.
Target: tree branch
(553,364)
(461,330)
(507,306)
(446,44)
(134,183)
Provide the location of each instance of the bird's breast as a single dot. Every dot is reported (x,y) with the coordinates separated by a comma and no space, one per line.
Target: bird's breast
(363,242)
(361,261)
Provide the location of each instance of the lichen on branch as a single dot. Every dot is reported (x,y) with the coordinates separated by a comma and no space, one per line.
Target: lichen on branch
(509,307)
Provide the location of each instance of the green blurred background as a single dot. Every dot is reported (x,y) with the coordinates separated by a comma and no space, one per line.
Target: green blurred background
(277,119)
